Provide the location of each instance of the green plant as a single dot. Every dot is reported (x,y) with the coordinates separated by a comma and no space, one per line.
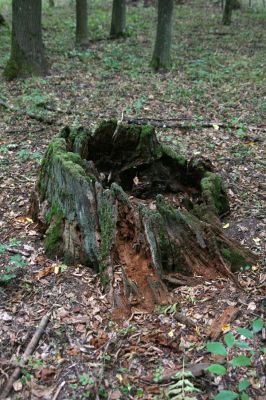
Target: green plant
(139,393)
(26,376)
(35,363)
(182,386)
(158,374)
(15,261)
(126,389)
(86,379)
(168,309)
(129,329)
(243,358)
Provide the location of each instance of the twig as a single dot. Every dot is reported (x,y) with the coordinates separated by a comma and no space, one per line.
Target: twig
(28,351)
(17,251)
(60,387)
(119,122)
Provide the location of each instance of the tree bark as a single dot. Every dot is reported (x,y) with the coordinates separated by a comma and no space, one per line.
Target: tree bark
(227,14)
(82,34)
(139,213)
(118,23)
(161,53)
(27,50)
(2,20)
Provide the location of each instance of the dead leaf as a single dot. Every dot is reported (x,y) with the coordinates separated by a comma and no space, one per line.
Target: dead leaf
(136,180)
(17,386)
(41,391)
(45,374)
(44,272)
(115,395)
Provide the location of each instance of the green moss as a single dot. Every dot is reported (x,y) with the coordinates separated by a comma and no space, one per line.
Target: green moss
(106,221)
(119,193)
(167,211)
(165,245)
(170,152)
(147,131)
(11,70)
(105,280)
(15,69)
(65,132)
(213,192)
(53,238)
(235,259)
(131,130)
(106,126)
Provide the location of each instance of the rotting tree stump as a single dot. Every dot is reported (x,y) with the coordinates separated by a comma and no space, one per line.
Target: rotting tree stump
(135,210)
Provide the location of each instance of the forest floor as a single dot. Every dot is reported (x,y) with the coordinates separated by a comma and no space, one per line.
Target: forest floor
(212,102)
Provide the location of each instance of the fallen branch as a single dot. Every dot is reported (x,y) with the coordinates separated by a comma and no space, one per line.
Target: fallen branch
(184,320)
(184,124)
(39,118)
(28,351)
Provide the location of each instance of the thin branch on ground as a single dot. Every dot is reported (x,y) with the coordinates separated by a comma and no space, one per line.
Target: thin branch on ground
(27,353)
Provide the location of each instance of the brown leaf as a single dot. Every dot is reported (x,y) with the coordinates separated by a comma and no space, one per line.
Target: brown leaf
(115,395)
(44,272)
(45,374)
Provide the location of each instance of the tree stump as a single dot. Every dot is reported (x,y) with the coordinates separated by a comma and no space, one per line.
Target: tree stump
(135,210)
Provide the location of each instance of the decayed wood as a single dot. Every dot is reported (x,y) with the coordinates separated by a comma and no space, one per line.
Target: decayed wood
(25,356)
(135,210)
(228,315)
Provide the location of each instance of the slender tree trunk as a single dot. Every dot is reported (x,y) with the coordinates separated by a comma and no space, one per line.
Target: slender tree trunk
(161,54)
(227,14)
(118,24)
(51,3)
(82,34)
(27,50)
(2,20)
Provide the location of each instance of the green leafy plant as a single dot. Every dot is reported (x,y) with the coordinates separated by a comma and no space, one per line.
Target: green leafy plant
(129,329)
(240,360)
(168,309)
(14,262)
(86,379)
(183,387)
(158,374)
(26,376)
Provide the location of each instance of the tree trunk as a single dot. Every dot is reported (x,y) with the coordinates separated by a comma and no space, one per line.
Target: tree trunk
(161,53)
(82,34)
(2,20)
(227,14)
(51,3)
(27,50)
(118,23)
(139,213)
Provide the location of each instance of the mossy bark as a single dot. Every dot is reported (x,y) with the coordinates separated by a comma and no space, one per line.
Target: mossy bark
(82,33)
(118,22)
(117,200)
(27,50)
(161,53)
